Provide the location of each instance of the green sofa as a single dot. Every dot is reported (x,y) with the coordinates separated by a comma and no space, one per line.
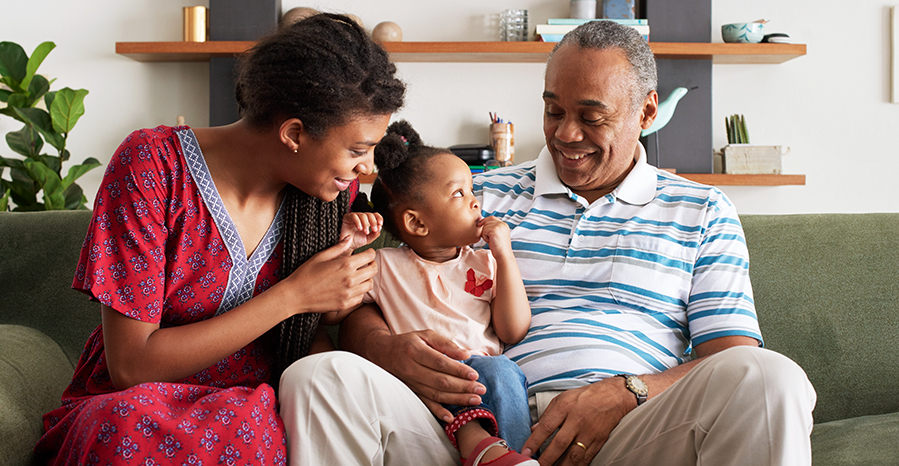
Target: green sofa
(825,288)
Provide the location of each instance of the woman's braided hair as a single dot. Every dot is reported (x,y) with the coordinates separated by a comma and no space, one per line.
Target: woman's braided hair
(325,71)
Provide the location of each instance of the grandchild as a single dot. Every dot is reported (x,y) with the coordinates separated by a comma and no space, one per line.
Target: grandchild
(436,281)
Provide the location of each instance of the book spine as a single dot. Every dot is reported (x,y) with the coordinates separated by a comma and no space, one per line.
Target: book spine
(578,22)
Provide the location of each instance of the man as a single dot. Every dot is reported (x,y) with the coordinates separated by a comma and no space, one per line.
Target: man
(630,271)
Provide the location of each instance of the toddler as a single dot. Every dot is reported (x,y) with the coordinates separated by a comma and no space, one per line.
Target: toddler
(423,196)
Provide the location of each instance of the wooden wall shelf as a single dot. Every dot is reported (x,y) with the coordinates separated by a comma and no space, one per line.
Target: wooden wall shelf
(714,179)
(474,52)
(508,52)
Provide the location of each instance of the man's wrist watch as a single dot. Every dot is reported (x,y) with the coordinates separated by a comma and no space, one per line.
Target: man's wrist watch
(636,386)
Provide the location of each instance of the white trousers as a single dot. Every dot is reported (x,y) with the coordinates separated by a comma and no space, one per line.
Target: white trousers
(743,406)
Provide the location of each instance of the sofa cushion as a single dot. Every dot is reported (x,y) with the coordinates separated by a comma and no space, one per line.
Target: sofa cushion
(34,371)
(826,295)
(857,441)
(38,256)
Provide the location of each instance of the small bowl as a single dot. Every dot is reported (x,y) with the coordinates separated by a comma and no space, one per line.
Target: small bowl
(747,33)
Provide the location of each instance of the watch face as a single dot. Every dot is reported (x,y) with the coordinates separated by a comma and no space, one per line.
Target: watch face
(637,385)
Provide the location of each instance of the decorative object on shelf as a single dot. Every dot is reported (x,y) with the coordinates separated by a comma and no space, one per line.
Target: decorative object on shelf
(387,31)
(776,38)
(737,133)
(513,25)
(666,110)
(619,9)
(747,159)
(741,158)
(745,33)
(582,9)
(39,173)
(297,14)
(556,28)
(194,24)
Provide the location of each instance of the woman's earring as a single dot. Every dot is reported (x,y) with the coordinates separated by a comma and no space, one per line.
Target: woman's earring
(294,151)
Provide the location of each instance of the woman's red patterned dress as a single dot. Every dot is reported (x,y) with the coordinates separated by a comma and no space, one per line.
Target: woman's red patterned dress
(161,248)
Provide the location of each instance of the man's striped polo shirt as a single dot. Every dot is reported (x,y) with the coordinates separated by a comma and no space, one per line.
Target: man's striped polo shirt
(626,284)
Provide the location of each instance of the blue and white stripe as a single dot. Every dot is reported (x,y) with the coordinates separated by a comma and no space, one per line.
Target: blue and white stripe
(627,284)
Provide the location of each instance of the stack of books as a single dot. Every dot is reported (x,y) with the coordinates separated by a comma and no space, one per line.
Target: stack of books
(556,28)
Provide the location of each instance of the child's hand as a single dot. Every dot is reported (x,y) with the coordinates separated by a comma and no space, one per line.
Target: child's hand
(496,233)
(364,227)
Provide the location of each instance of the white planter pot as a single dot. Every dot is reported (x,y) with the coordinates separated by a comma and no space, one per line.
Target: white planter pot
(748,159)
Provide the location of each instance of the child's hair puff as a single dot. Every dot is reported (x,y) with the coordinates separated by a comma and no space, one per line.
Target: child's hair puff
(402,169)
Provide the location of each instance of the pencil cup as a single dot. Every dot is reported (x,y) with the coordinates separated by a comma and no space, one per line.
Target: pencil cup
(502,138)
(513,25)
(194,24)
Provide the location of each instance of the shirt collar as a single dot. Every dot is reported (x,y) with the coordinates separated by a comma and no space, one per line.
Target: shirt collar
(638,187)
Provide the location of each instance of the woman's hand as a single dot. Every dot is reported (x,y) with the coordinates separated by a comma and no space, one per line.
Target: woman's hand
(332,280)
(426,362)
(363,227)
(583,416)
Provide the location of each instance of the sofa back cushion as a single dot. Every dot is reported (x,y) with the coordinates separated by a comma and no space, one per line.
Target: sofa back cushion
(826,289)
(38,255)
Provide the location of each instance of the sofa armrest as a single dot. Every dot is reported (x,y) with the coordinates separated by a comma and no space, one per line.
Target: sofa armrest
(34,371)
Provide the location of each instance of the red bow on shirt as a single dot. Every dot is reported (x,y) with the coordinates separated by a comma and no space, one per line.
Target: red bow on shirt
(476,287)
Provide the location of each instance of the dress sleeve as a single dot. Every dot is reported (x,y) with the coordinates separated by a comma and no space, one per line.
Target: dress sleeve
(122,262)
(721,302)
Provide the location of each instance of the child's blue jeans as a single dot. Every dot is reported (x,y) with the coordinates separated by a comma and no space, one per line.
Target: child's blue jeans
(506,398)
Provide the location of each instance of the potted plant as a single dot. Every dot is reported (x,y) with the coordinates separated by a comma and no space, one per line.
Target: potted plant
(23,91)
(740,157)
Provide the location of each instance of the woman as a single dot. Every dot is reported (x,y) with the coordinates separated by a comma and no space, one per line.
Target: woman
(204,240)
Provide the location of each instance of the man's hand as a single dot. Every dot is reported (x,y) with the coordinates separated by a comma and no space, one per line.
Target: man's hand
(583,415)
(588,414)
(425,361)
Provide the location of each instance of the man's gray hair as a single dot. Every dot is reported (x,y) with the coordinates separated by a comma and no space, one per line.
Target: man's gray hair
(603,35)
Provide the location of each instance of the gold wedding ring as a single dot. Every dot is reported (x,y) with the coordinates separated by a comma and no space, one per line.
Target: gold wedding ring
(581,445)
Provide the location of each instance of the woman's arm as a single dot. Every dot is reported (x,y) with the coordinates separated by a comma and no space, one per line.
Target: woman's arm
(140,352)
(510,307)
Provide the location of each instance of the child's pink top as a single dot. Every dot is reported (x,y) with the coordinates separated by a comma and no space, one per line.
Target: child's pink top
(416,294)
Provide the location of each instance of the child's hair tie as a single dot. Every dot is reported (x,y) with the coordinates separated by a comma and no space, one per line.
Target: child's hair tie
(404,140)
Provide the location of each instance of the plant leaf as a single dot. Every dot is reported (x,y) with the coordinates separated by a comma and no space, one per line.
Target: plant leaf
(40,119)
(74,197)
(67,108)
(23,189)
(25,141)
(4,95)
(13,62)
(37,57)
(76,171)
(11,163)
(52,162)
(48,98)
(38,87)
(4,202)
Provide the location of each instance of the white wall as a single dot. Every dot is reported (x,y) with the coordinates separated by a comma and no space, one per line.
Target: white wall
(830,106)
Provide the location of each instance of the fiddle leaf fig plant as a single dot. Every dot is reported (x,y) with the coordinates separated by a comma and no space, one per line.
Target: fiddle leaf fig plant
(38,173)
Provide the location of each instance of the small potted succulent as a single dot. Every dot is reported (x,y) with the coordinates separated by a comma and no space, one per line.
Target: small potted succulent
(37,173)
(740,157)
